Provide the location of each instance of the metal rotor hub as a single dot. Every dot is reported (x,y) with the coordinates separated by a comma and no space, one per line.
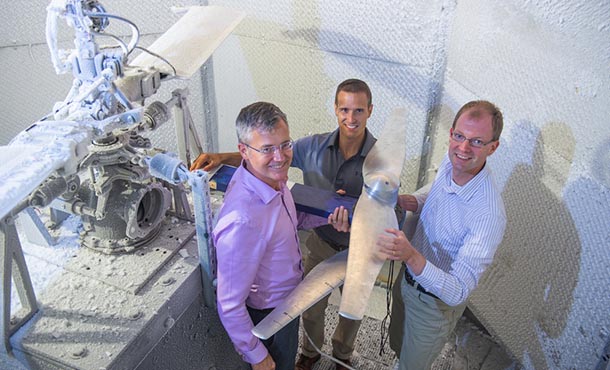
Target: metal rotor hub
(382,187)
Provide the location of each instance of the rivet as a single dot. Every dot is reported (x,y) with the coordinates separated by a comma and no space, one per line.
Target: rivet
(168,281)
(135,315)
(169,322)
(79,353)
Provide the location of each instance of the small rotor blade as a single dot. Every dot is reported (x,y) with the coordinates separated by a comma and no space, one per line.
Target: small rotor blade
(388,153)
(317,284)
(370,219)
(191,40)
(374,213)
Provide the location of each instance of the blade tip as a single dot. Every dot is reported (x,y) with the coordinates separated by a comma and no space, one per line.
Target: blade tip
(348,315)
(259,335)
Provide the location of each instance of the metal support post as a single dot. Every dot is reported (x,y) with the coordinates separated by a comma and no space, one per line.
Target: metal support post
(203,223)
(11,256)
(186,134)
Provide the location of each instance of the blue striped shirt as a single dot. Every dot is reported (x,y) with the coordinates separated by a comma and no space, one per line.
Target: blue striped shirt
(458,232)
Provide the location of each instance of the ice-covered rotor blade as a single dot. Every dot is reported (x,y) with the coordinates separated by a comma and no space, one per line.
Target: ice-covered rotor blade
(191,40)
(319,283)
(374,213)
(36,153)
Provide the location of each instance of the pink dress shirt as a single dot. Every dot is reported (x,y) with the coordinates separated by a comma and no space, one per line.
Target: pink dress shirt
(259,260)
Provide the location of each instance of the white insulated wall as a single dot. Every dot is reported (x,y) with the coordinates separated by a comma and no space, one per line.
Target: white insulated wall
(547,66)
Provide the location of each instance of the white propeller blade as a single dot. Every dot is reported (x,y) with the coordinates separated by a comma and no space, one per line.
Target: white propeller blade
(319,283)
(191,40)
(374,213)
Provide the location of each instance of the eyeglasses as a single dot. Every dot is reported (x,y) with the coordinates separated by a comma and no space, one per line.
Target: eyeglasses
(271,149)
(476,143)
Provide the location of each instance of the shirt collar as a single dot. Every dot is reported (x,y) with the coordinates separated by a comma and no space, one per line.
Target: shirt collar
(468,190)
(257,186)
(369,141)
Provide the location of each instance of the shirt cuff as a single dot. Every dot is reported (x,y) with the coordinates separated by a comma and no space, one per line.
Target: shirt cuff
(428,277)
(420,204)
(256,354)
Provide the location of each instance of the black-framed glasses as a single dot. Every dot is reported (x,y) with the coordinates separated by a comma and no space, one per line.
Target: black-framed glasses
(476,143)
(284,147)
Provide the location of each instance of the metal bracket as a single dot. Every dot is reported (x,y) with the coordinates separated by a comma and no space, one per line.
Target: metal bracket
(35,231)
(173,170)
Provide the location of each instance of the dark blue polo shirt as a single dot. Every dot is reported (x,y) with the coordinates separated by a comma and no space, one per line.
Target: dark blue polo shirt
(324,167)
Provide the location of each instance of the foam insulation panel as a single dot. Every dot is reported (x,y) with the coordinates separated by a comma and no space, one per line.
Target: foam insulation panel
(546,66)
(30,87)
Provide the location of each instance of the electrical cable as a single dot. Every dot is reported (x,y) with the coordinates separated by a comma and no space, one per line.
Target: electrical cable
(401,215)
(385,333)
(121,43)
(136,36)
(135,31)
(455,352)
(161,58)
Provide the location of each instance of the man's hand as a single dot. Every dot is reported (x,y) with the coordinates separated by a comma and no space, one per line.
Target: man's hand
(209,161)
(206,161)
(397,247)
(266,364)
(339,219)
(407,202)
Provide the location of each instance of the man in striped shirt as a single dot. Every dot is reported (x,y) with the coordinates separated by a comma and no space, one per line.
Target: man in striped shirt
(461,223)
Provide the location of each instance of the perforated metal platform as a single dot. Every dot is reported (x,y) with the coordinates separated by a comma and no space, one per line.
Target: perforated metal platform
(468,349)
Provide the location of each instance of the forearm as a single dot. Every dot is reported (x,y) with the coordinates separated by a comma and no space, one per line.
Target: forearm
(209,161)
(407,202)
(307,221)
(419,198)
(232,159)
(449,287)
(416,262)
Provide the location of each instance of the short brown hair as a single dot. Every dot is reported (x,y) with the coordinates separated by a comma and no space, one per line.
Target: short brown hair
(354,85)
(476,107)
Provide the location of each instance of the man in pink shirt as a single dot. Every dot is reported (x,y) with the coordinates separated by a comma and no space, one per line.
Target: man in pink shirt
(259,261)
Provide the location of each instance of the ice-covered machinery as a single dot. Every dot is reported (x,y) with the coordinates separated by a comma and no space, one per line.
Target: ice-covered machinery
(88,157)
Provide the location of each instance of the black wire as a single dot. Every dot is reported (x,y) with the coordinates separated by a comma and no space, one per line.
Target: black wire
(401,216)
(385,333)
